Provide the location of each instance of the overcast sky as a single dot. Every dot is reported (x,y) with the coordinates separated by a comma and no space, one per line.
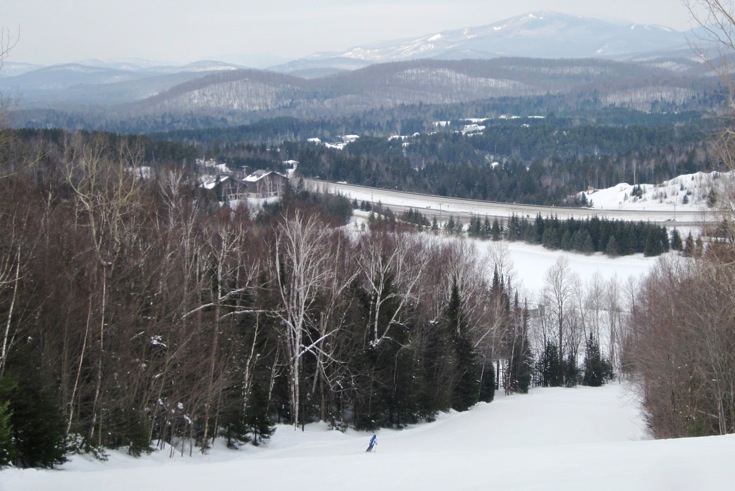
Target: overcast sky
(182,31)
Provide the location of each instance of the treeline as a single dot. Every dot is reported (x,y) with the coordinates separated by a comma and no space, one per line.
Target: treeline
(612,237)
(136,312)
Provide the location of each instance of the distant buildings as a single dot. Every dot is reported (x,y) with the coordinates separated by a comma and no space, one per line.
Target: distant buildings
(230,185)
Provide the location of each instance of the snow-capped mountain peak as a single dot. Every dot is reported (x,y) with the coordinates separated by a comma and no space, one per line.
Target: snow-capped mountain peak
(536,34)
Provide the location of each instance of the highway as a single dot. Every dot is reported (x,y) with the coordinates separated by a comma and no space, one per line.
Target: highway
(441,206)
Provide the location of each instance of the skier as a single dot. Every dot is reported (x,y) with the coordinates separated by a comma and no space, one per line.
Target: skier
(373,442)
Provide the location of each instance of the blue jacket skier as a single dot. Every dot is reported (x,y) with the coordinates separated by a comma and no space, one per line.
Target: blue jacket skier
(373,442)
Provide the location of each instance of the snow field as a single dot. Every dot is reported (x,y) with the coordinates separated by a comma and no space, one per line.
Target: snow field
(567,439)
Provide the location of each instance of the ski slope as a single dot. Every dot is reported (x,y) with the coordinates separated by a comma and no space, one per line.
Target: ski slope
(566,439)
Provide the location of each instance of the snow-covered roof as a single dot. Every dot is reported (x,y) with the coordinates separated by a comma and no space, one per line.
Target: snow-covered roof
(257,175)
(260,174)
(209,182)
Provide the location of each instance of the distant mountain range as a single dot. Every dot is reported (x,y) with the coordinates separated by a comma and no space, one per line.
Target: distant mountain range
(535,35)
(534,54)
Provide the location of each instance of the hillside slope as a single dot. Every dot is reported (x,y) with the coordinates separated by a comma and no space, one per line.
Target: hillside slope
(571,439)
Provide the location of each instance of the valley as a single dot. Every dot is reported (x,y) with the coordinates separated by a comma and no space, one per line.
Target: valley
(504,250)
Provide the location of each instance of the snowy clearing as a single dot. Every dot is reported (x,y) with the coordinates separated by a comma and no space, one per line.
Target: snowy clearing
(570,439)
(531,262)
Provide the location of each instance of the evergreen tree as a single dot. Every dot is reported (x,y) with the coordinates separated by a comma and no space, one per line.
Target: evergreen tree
(466,389)
(257,419)
(594,366)
(689,246)
(585,242)
(487,381)
(495,230)
(130,430)
(486,228)
(566,243)
(521,359)
(538,230)
(385,384)
(439,364)
(571,370)
(551,371)
(550,239)
(676,242)
(653,245)
(36,421)
(611,249)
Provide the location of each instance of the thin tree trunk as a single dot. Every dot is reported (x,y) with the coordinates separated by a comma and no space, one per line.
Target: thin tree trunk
(79,370)
(6,335)
(98,379)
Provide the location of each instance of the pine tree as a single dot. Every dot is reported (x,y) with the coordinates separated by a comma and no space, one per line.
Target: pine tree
(38,428)
(487,381)
(689,246)
(570,370)
(257,421)
(495,230)
(611,249)
(466,389)
(594,366)
(653,245)
(676,242)
(486,228)
(551,371)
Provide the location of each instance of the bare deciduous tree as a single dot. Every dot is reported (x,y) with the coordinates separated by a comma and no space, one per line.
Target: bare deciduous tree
(301,259)
(106,194)
(560,293)
(387,261)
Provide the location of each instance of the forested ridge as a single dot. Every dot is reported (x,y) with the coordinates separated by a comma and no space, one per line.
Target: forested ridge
(525,160)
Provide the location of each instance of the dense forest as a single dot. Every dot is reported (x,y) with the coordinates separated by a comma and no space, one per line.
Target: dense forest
(526,160)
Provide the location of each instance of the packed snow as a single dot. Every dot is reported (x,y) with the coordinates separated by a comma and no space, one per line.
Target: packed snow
(571,439)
